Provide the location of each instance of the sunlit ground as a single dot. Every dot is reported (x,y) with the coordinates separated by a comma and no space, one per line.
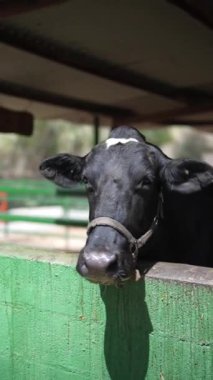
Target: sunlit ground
(41,235)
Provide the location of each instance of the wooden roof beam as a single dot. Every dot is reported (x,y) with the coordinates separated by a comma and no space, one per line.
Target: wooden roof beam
(54,51)
(25,92)
(201,10)
(16,122)
(14,7)
(168,117)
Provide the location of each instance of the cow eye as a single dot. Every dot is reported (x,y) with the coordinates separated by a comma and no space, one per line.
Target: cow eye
(87,183)
(146,181)
(143,184)
(85,180)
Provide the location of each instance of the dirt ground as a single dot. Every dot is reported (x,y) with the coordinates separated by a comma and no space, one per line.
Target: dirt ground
(54,237)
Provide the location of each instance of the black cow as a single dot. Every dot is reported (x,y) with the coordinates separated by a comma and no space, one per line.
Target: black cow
(143,205)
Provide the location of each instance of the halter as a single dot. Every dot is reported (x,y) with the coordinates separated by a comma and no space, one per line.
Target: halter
(135,244)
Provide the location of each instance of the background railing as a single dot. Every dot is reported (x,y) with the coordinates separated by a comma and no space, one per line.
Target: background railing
(25,201)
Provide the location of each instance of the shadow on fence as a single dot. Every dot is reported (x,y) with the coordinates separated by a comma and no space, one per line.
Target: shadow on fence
(127,331)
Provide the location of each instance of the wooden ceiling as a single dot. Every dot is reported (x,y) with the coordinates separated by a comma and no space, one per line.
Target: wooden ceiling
(140,61)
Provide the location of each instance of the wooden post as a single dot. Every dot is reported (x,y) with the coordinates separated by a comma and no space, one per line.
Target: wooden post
(96,129)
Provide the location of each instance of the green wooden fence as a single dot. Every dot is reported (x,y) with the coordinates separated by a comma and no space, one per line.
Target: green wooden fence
(57,326)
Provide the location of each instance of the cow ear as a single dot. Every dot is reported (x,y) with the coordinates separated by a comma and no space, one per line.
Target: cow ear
(63,169)
(186,176)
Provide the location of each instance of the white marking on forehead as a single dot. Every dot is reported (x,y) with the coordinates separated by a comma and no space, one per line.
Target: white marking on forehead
(112,141)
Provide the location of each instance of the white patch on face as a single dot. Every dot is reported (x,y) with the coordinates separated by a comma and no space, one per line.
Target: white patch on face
(111,142)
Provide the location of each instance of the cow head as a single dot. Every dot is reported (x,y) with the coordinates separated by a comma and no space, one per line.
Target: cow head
(124,177)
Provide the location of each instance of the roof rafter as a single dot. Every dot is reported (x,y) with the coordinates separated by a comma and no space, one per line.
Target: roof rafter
(54,51)
(51,98)
(12,7)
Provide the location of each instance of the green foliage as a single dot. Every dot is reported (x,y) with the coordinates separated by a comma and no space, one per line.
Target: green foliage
(20,156)
(158,136)
(193,145)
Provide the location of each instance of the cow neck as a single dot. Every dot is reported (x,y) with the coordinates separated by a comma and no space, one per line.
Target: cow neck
(135,244)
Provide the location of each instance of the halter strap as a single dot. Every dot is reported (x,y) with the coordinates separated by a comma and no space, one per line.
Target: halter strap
(135,244)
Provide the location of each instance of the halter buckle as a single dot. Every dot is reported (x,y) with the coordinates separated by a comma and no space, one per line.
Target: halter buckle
(134,248)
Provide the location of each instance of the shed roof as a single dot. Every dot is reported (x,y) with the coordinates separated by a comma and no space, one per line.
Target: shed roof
(138,61)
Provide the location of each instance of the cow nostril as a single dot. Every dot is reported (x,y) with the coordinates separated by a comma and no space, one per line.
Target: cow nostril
(113,266)
(123,275)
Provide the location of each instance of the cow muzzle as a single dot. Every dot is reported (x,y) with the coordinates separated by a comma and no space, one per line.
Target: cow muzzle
(101,267)
(105,267)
